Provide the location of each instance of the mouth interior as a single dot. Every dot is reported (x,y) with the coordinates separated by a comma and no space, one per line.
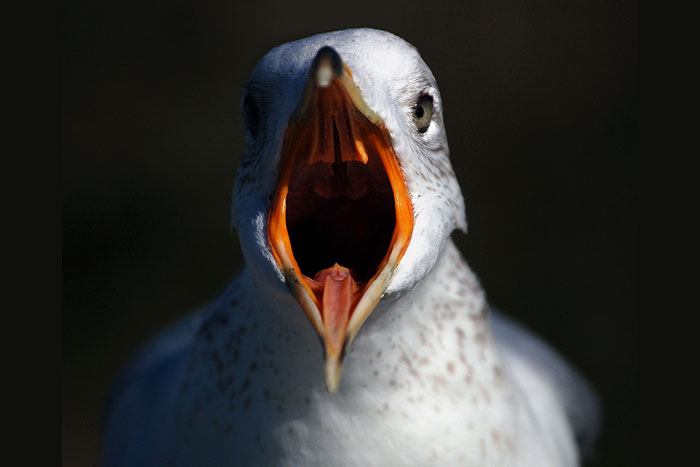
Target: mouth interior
(340,212)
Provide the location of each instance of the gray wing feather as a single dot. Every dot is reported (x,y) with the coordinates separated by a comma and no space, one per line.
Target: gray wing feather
(138,414)
(582,406)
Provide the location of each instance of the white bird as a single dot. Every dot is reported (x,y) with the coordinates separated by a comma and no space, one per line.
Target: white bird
(344,204)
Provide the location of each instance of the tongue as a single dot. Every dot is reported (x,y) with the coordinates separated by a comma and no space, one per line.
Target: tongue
(338,291)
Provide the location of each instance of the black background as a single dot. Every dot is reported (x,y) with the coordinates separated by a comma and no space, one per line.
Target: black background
(540,109)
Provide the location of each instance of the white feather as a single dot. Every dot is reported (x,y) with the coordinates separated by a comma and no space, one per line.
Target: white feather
(429,379)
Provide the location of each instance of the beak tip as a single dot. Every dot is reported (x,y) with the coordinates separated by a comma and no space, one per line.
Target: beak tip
(332,389)
(334,369)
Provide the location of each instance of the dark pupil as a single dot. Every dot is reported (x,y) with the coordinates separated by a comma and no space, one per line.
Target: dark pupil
(419,111)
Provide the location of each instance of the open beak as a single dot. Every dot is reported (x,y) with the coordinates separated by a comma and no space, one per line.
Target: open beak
(340,218)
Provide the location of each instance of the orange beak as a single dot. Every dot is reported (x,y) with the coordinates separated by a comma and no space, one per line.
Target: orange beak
(341,218)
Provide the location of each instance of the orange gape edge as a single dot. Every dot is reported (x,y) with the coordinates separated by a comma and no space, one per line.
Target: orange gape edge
(309,139)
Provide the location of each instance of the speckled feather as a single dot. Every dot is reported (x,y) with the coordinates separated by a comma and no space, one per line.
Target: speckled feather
(433,378)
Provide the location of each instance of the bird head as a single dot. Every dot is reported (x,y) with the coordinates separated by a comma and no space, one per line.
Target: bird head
(345,194)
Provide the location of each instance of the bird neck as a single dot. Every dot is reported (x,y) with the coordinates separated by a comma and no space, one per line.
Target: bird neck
(438,328)
(447,296)
(422,365)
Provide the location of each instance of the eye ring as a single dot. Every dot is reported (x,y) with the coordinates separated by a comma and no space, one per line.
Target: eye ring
(423,112)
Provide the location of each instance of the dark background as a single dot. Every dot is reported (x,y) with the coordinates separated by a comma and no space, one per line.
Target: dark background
(540,108)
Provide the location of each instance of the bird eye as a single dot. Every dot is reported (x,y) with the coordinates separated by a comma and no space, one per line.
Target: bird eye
(423,112)
(251,115)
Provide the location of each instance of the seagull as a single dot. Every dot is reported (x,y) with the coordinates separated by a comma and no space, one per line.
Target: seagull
(355,334)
